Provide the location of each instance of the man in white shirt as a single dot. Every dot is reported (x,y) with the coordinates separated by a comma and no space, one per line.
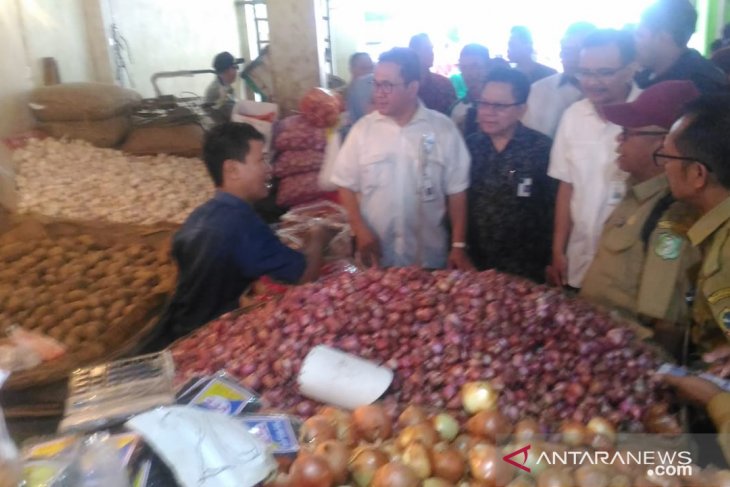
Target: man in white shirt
(400,170)
(551,96)
(583,155)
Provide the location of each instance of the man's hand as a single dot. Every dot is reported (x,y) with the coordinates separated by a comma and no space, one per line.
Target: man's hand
(458,259)
(557,271)
(719,360)
(694,389)
(367,246)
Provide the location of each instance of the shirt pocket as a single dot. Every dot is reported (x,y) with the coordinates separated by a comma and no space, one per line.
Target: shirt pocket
(374,174)
(619,239)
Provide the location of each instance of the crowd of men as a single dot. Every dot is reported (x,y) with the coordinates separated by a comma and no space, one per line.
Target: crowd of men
(610,179)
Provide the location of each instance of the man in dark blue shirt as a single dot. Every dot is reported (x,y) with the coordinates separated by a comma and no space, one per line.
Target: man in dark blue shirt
(224,245)
(511,196)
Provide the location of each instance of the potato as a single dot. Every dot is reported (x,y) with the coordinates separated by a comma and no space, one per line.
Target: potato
(56,332)
(14,304)
(97,313)
(46,322)
(81,316)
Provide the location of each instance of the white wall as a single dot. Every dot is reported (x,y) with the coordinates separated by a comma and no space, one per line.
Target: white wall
(29,31)
(174,35)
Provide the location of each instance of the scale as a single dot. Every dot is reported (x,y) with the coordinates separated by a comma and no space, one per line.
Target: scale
(107,394)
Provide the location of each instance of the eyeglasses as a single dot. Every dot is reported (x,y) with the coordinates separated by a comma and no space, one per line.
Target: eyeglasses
(600,74)
(497,107)
(662,159)
(384,86)
(627,133)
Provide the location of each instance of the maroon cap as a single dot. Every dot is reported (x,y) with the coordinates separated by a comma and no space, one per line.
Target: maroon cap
(660,104)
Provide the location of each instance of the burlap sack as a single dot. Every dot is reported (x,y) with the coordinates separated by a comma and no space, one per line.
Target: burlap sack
(82,101)
(179,140)
(101,133)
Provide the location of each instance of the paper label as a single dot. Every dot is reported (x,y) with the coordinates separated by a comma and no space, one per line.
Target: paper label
(223,398)
(276,431)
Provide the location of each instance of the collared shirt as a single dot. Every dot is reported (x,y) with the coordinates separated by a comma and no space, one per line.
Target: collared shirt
(220,250)
(712,301)
(691,66)
(538,72)
(437,93)
(645,275)
(548,100)
(719,411)
(403,176)
(219,100)
(511,202)
(584,154)
(464,115)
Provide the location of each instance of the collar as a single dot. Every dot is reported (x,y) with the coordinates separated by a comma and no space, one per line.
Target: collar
(567,80)
(652,187)
(709,223)
(589,109)
(230,200)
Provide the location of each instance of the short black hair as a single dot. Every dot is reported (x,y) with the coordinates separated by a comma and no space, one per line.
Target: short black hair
(407,59)
(581,28)
(229,140)
(516,79)
(522,33)
(418,40)
(706,135)
(476,50)
(353,58)
(676,17)
(622,39)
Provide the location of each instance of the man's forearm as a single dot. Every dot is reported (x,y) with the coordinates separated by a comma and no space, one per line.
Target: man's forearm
(348,199)
(563,223)
(457,215)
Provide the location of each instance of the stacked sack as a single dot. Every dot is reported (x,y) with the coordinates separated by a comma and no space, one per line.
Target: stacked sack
(95,112)
(300,143)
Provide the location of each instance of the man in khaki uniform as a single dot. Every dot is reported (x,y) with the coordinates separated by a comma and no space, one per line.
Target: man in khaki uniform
(696,159)
(644,257)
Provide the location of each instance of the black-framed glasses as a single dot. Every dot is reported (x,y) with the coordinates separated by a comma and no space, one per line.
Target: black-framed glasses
(662,159)
(599,74)
(497,107)
(628,133)
(384,86)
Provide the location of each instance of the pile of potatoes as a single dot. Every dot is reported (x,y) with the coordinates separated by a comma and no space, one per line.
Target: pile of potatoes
(76,181)
(77,291)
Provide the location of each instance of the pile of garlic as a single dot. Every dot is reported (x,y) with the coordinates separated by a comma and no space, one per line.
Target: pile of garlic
(75,180)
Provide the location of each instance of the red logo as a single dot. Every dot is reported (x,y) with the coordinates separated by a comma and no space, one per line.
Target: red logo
(523,451)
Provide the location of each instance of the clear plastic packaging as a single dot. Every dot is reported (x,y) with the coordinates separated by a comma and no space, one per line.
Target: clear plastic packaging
(99,464)
(10,471)
(103,395)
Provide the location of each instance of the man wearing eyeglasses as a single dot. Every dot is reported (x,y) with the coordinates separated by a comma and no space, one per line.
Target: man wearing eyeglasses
(511,197)
(643,259)
(583,154)
(696,159)
(402,171)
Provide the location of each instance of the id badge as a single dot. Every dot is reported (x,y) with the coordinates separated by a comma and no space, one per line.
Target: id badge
(524,189)
(429,194)
(616,192)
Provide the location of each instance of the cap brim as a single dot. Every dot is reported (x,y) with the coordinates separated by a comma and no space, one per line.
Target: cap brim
(625,115)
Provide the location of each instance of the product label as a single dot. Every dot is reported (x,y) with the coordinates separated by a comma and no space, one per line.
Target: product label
(276,431)
(222,397)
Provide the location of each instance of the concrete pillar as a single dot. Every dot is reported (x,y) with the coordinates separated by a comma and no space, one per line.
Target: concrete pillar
(297,49)
(98,22)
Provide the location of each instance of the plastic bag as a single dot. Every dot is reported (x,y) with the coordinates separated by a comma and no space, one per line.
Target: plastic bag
(46,347)
(298,189)
(294,162)
(99,464)
(9,462)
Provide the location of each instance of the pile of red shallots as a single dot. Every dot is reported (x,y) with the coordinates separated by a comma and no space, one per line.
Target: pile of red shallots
(550,357)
